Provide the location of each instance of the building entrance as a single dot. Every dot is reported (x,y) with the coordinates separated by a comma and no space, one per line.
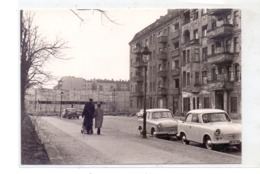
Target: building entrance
(219,99)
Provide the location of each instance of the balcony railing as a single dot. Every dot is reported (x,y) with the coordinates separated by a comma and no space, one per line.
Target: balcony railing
(194,42)
(175,34)
(175,53)
(176,72)
(162,73)
(139,64)
(217,12)
(137,78)
(221,31)
(162,39)
(220,58)
(162,55)
(137,50)
(162,91)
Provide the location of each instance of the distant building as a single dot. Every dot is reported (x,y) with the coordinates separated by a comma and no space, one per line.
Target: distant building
(195,61)
(74,92)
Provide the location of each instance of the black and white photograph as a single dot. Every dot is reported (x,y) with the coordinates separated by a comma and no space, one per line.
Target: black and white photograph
(134,87)
(109,87)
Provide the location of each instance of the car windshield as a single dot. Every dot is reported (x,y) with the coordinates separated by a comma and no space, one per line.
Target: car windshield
(215,117)
(164,114)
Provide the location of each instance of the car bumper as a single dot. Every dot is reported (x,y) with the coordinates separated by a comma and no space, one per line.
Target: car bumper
(227,142)
(165,133)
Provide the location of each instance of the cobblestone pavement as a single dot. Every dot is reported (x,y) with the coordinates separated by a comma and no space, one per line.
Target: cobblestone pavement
(118,144)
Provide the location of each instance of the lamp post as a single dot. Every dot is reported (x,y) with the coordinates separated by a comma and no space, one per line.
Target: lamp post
(145,57)
(61,94)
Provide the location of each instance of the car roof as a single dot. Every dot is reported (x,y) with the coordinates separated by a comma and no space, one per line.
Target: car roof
(202,111)
(157,109)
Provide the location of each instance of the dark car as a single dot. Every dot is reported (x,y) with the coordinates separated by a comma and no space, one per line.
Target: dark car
(70,113)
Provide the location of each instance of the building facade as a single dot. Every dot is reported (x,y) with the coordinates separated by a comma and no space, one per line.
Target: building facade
(195,61)
(114,95)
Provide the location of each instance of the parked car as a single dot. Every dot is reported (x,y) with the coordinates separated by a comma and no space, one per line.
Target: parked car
(70,113)
(159,122)
(210,127)
(140,114)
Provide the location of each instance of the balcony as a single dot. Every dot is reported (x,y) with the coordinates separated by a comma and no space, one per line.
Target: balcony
(175,72)
(176,91)
(194,42)
(139,64)
(175,53)
(137,50)
(175,34)
(221,83)
(137,94)
(162,91)
(195,89)
(220,58)
(217,12)
(162,55)
(162,39)
(221,31)
(162,73)
(137,78)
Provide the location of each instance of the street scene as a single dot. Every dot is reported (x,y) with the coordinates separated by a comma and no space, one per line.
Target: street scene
(121,144)
(131,87)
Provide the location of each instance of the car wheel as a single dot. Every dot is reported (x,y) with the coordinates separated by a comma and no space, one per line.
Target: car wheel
(152,132)
(184,139)
(208,143)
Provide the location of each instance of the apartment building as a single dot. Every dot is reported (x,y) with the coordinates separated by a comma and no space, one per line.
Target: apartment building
(195,61)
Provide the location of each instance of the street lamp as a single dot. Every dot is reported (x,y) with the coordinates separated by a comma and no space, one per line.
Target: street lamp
(61,94)
(145,52)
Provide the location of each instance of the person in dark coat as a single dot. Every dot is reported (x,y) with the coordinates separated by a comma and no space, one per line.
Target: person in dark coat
(88,115)
(98,118)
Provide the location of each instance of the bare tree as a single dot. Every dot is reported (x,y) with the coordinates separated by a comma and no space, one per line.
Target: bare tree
(35,52)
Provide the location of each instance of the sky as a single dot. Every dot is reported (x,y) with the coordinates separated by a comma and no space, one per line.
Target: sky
(97,47)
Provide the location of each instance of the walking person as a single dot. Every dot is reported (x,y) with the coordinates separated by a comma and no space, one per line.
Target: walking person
(88,115)
(98,118)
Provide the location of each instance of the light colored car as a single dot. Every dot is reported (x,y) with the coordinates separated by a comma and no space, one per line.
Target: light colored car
(159,122)
(210,127)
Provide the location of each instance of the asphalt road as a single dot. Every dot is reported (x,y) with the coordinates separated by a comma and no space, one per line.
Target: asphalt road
(120,144)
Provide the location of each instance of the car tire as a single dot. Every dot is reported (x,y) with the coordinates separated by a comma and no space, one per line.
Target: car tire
(207,143)
(152,132)
(184,139)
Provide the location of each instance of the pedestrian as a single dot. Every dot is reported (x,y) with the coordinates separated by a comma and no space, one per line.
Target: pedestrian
(98,118)
(88,115)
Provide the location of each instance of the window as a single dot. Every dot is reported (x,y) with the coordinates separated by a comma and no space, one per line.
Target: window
(198,102)
(187,17)
(229,70)
(189,118)
(193,102)
(214,25)
(188,56)
(212,49)
(177,83)
(228,19)
(184,58)
(204,54)
(214,74)
(236,46)
(218,44)
(195,34)
(184,79)
(204,77)
(235,18)
(206,102)
(176,63)
(195,118)
(186,104)
(195,14)
(197,55)
(176,26)
(236,72)
(233,104)
(188,79)
(154,85)
(131,103)
(204,31)
(228,46)
(176,45)
(204,11)
(197,77)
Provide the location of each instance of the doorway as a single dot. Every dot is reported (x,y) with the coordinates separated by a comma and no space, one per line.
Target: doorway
(219,99)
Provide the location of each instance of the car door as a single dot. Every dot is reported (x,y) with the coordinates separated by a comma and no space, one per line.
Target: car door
(194,128)
(185,126)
